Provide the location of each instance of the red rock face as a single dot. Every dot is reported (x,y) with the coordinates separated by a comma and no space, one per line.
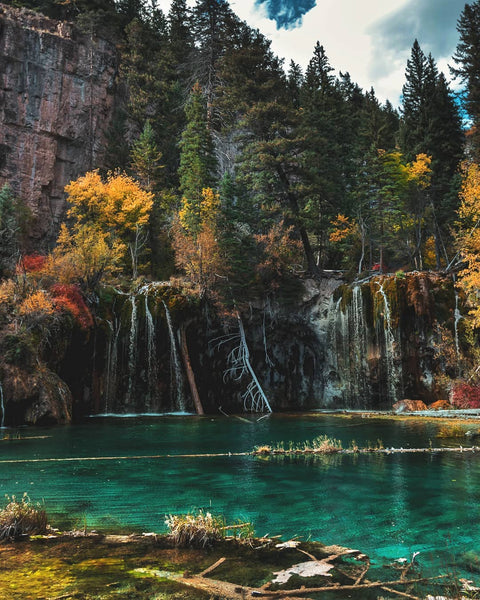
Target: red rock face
(56,101)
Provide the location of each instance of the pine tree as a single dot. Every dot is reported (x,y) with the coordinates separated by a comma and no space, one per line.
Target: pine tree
(324,162)
(431,124)
(248,73)
(180,34)
(131,9)
(446,141)
(149,71)
(294,82)
(419,80)
(146,158)
(467,58)
(319,82)
(198,164)
(215,27)
(272,170)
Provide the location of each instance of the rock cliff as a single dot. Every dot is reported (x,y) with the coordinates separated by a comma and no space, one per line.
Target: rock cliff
(56,101)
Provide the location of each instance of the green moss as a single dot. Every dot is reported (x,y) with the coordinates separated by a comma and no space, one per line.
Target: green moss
(18,349)
(347,296)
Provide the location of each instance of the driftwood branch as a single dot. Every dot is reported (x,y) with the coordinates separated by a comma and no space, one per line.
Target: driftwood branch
(219,562)
(348,587)
(402,594)
(239,365)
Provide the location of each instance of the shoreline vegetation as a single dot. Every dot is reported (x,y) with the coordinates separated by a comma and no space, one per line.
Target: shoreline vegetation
(200,557)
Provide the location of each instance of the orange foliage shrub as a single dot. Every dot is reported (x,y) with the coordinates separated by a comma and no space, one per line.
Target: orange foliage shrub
(465,395)
(69,298)
(343,228)
(32,263)
(281,253)
(37,303)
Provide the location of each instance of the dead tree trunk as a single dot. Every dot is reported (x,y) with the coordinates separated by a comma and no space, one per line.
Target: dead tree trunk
(189,371)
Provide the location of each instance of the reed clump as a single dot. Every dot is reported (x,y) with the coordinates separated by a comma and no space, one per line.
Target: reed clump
(321,444)
(22,517)
(204,529)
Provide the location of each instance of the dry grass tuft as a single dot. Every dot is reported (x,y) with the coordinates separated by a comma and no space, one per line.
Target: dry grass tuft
(22,517)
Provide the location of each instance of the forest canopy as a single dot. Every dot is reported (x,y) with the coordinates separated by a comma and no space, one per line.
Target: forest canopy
(255,172)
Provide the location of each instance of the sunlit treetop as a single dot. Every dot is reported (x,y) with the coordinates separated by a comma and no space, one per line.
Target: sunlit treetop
(118,203)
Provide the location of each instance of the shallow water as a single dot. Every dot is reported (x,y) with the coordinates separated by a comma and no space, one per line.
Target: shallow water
(386,505)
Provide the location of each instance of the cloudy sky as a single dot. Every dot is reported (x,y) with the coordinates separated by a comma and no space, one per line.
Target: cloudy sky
(371,39)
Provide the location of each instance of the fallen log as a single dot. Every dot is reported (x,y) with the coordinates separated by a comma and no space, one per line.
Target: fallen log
(342,588)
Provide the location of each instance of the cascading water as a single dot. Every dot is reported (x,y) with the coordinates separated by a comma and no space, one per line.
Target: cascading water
(152,369)
(175,366)
(132,352)
(393,373)
(347,340)
(112,363)
(332,378)
(360,387)
(2,407)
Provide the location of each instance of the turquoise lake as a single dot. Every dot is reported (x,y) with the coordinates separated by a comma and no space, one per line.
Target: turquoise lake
(388,506)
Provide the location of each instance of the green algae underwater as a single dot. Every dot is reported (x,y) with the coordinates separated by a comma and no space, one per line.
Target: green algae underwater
(96,567)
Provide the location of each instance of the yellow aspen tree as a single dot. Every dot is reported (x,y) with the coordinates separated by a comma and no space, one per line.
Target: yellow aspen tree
(117,208)
(468,237)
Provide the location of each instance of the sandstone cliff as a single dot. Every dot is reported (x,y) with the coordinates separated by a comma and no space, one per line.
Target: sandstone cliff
(56,101)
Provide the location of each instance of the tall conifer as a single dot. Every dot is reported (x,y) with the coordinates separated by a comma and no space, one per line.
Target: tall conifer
(467,58)
(197,154)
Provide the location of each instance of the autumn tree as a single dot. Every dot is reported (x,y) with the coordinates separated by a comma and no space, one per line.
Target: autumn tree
(197,251)
(85,255)
(468,238)
(117,207)
(281,255)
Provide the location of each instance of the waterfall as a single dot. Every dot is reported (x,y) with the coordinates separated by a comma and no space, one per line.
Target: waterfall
(393,375)
(176,384)
(2,406)
(360,387)
(151,353)
(112,362)
(347,340)
(132,351)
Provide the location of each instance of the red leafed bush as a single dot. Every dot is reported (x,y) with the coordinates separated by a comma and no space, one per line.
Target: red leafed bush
(69,297)
(31,263)
(465,395)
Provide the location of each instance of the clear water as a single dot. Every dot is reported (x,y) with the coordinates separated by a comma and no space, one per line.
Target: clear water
(385,505)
